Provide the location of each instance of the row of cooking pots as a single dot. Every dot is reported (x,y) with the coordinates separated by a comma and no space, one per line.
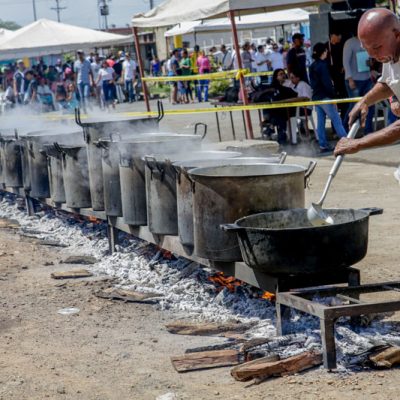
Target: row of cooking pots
(173,192)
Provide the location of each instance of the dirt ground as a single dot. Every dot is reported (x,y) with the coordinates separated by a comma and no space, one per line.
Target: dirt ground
(115,350)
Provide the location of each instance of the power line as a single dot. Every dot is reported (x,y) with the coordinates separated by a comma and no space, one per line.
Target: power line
(58,9)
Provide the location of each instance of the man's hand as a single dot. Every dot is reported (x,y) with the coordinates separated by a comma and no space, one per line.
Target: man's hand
(359,110)
(395,107)
(346,146)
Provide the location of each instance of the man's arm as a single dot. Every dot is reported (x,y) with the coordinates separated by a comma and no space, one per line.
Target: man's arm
(379,92)
(347,54)
(385,136)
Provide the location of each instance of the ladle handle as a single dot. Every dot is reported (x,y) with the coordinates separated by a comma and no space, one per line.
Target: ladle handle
(351,135)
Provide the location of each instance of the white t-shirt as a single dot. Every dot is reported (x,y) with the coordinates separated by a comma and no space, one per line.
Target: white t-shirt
(106,74)
(276,59)
(391,76)
(129,68)
(260,58)
(303,89)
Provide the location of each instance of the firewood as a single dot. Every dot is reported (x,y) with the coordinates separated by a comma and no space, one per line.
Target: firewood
(207,329)
(6,223)
(206,360)
(386,358)
(265,368)
(233,344)
(76,273)
(127,295)
(253,363)
(79,260)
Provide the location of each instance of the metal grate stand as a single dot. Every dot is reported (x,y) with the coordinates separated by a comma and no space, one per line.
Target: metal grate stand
(302,300)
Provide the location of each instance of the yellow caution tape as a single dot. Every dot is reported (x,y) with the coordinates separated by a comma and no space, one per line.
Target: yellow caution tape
(233,74)
(250,107)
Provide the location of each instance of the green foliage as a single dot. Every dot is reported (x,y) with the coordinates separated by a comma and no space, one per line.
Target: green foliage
(218,87)
(12,26)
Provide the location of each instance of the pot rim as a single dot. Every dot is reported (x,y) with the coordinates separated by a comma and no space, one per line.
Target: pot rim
(286,169)
(358,218)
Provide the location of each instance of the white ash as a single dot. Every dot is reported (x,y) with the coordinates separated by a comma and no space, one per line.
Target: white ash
(184,287)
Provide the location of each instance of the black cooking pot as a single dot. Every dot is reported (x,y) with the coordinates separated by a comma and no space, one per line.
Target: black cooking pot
(285,242)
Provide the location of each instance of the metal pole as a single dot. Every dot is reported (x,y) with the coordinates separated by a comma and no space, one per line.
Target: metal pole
(34,10)
(151,4)
(141,69)
(247,117)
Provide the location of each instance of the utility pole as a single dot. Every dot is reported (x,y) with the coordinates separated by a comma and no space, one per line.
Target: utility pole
(58,9)
(34,10)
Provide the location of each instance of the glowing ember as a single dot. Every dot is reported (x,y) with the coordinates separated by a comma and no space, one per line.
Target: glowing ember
(223,281)
(268,296)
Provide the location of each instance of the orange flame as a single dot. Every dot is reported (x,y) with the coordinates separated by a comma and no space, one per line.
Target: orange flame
(268,296)
(222,281)
(93,219)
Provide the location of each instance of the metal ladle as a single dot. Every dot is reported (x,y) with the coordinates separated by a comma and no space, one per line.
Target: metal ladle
(315,214)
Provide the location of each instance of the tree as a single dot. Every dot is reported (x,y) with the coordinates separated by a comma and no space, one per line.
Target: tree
(12,26)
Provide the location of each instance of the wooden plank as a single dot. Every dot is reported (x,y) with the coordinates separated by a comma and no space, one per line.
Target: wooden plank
(206,360)
(206,329)
(73,274)
(264,368)
(127,295)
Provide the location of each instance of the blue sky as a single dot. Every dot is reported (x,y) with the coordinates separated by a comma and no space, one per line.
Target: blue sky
(78,12)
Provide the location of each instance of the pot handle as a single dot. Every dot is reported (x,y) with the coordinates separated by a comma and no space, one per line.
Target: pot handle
(205,127)
(102,144)
(282,157)
(372,210)
(160,108)
(310,169)
(58,148)
(231,227)
(78,116)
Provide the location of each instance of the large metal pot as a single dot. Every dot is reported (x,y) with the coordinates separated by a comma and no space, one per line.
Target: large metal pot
(93,130)
(161,191)
(226,193)
(76,176)
(10,154)
(285,242)
(56,179)
(184,187)
(132,169)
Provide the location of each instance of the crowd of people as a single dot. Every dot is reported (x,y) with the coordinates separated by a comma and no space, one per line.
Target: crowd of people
(335,69)
(83,82)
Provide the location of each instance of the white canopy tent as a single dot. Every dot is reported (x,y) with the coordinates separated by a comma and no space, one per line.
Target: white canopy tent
(246,22)
(171,12)
(46,37)
(5,33)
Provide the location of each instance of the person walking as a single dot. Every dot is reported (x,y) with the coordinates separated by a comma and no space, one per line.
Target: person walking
(83,78)
(128,74)
(323,89)
(107,78)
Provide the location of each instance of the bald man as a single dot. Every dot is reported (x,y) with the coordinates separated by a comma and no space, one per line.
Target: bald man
(379,33)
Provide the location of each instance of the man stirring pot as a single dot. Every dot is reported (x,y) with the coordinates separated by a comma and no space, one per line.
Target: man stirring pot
(379,33)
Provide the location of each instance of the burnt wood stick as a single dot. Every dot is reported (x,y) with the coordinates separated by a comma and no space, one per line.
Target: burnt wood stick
(206,329)
(264,368)
(274,342)
(206,360)
(233,344)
